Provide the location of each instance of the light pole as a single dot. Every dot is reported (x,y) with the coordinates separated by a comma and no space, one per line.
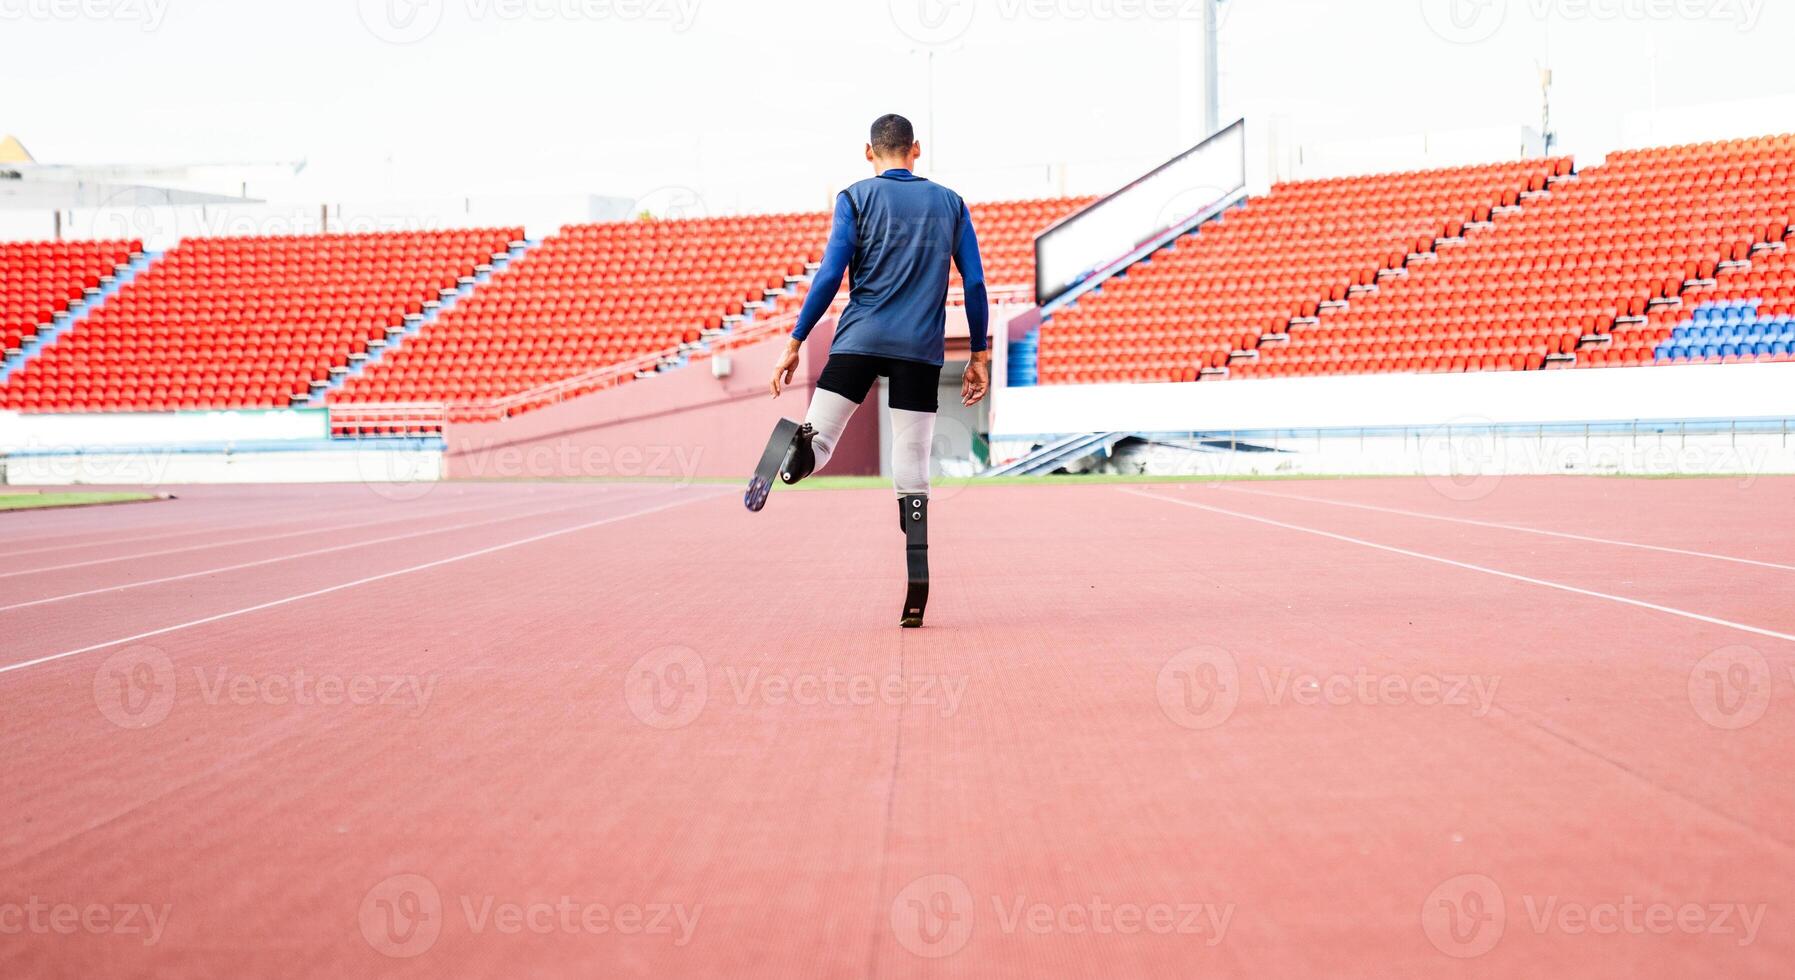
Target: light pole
(929,54)
(1212,108)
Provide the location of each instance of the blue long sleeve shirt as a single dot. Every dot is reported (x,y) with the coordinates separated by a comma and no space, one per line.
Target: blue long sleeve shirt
(895,235)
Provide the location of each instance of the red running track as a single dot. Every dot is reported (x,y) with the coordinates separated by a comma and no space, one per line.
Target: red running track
(1364,728)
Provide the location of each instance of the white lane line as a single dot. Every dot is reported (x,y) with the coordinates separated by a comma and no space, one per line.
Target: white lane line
(192,530)
(1511,527)
(237,541)
(9,668)
(308,554)
(1624,600)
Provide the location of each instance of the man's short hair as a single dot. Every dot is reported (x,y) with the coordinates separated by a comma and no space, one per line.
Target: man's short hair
(892,134)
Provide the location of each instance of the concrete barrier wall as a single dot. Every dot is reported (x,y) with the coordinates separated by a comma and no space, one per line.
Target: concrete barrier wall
(380,468)
(1702,391)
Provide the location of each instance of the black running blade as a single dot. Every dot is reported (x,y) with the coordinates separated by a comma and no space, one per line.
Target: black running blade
(761,484)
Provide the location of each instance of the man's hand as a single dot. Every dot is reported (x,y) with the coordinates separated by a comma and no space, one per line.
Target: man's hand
(977,379)
(786,368)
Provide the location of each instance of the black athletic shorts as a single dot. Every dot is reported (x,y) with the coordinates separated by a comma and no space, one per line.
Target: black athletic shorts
(914,385)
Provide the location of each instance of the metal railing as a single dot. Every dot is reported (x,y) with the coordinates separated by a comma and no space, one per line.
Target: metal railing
(431,418)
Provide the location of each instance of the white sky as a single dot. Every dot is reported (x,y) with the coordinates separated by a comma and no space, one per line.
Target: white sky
(763,104)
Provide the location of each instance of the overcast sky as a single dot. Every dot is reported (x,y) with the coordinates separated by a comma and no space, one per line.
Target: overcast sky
(763,104)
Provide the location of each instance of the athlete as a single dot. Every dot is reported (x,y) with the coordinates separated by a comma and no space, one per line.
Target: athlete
(895,235)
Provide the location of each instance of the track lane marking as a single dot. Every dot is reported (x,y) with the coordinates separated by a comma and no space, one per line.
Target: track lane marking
(226,544)
(1624,600)
(152,537)
(1511,527)
(310,554)
(10,668)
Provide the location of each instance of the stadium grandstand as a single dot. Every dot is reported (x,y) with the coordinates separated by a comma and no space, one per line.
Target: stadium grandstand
(1528,265)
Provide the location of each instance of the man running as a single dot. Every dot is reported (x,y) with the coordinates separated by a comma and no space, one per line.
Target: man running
(895,234)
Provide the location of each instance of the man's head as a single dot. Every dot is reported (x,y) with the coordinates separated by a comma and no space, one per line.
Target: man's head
(892,144)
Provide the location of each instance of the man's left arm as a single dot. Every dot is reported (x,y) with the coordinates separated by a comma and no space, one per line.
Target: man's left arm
(978,311)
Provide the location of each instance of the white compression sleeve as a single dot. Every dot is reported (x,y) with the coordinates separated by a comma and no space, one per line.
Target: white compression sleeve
(829,415)
(912,439)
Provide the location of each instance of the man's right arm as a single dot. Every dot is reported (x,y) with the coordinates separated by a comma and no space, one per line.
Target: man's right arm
(836,257)
(843,238)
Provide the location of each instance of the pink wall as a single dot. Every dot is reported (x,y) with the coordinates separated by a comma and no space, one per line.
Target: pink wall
(679,425)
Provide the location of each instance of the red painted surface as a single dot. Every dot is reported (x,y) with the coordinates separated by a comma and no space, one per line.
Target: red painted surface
(1050,753)
(678,425)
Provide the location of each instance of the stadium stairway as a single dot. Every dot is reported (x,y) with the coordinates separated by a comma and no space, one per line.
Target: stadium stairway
(396,336)
(78,311)
(1060,453)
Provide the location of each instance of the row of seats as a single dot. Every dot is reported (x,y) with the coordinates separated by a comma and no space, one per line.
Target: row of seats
(1539,267)
(41,280)
(246,322)
(1570,279)
(1747,314)
(1283,256)
(601,295)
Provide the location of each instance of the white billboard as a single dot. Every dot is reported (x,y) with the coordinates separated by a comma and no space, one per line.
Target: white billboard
(1095,240)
